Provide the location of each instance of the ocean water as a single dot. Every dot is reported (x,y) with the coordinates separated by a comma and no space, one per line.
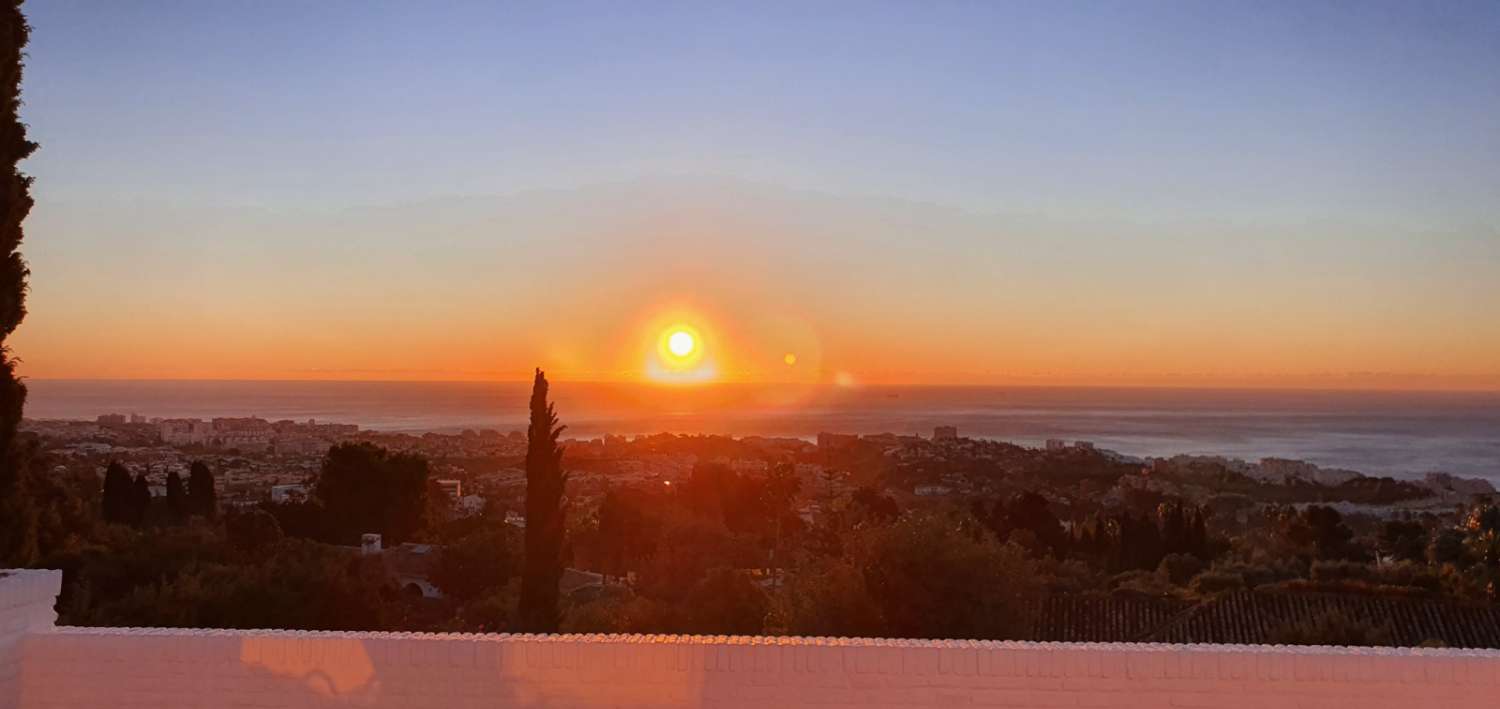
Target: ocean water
(1382,433)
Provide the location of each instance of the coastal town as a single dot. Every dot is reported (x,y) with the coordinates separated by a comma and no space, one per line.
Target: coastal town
(256,460)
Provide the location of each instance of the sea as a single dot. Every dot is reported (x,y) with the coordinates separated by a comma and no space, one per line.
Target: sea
(1402,434)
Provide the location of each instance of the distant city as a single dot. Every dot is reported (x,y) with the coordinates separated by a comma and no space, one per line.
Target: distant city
(260,460)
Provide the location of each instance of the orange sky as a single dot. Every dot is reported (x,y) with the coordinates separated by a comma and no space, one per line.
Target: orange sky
(583,282)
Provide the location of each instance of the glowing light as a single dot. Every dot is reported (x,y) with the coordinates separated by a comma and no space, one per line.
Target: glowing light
(682,355)
(681,343)
(790,359)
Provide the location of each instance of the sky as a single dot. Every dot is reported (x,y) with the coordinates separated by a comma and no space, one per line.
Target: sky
(1199,193)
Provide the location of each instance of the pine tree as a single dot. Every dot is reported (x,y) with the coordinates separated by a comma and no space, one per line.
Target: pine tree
(545,516)
(18,531)
(176,497)
(202,500)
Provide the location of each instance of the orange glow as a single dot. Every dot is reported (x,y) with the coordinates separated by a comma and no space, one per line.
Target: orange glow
(756,281)
(681,356)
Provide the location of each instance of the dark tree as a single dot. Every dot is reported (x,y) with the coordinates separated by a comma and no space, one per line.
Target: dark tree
(365,488)
(878,507)
(475,565)
(1404,540)
(1321,530)
(118,502)
(201,498)
(545,517)
(18,532)
(176,497)
(140,500)
(627,532)
(254,535)
(1026,512)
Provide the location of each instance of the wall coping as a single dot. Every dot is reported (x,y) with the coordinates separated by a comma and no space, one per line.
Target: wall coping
(787,641)
(21,587)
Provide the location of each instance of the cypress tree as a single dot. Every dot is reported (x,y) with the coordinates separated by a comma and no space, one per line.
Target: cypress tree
(18,532)
(545,517)
(116,505)
(202,500)
(140,500)
(176,497)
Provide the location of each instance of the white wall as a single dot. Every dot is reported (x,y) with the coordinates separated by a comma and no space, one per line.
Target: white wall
(27,599)
(123,667)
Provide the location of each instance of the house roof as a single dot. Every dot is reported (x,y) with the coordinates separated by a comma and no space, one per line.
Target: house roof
(1097,618)
(1254,617)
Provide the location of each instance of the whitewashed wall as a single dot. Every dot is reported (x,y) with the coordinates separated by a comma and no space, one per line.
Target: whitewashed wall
(129,667)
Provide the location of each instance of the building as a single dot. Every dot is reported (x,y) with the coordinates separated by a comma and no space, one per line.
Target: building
(185,432)
(1056,444)
(945,433)
(932,490)
(111,420)
(454,489)
(836,441)
(294,492)
(470,505)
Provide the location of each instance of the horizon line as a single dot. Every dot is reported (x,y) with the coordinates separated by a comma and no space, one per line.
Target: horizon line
(810,385)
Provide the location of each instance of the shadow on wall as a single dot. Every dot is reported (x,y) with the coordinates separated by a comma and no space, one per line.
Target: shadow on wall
(73,668)
(158,667)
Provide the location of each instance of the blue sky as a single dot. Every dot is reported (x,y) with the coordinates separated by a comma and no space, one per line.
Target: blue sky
(1318,109)
(1362,135)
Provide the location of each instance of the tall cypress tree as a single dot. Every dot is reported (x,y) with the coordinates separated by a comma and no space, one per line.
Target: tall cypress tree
(116,505)
(202,500)
(140,499)
(545,517)
(18,533)
(176,497)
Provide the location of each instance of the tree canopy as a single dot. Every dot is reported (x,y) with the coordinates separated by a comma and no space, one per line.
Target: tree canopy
(365,488)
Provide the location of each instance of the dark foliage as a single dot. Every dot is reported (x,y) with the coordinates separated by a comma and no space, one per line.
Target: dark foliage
(201,498)
(119,495)
(545,516)
(177,509)
(1025,512)
(476,564)
(18,532)
(140,499)
(628,529)
(364,488)
(1403,540)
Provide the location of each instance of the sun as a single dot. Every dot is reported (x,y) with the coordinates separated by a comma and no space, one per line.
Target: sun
(681,343)
(681,351)
(680,348)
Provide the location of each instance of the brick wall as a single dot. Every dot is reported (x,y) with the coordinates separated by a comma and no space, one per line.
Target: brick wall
(126,667)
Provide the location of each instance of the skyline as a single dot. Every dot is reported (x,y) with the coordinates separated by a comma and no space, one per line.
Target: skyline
(1167,194)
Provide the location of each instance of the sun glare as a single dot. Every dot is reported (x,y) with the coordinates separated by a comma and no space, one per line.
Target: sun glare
(681,356)
(681,343)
